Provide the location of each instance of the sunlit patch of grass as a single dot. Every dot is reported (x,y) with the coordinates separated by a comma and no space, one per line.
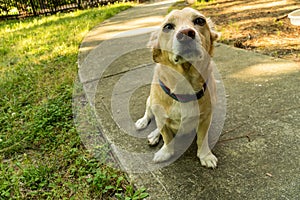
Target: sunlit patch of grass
(41,152)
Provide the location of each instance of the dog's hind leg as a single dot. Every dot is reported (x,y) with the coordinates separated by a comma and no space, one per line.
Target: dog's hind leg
(207,158)
(153,137)
(144,121)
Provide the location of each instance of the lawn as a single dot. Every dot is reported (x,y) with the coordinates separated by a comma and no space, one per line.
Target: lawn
(42,156)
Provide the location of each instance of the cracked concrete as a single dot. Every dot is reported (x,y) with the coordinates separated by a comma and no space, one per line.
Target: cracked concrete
(258,150)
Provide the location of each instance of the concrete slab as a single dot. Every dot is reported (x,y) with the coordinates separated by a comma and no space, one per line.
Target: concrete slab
(258,150)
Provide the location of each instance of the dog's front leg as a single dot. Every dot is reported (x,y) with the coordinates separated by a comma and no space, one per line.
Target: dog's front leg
(207,158)
(167,150)
(144,121)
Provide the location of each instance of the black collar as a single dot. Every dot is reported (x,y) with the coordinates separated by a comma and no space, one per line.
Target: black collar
(183,98)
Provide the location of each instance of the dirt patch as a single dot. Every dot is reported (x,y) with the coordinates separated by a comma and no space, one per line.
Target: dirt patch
(258,25)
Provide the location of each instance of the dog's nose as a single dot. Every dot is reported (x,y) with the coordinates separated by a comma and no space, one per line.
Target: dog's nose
(185,35)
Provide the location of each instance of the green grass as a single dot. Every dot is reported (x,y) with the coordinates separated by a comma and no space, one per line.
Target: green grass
(42,156)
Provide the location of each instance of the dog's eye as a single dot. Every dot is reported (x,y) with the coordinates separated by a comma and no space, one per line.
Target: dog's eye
(168,27)
(199,21)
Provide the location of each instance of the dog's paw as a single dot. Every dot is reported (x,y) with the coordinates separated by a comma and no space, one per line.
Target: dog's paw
(141,123)
(162,155)
(210,160)
(153,137)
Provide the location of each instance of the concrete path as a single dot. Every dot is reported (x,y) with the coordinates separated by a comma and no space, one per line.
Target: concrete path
(258,150)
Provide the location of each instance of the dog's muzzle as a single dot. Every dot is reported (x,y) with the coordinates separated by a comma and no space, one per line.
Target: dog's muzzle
(185,46)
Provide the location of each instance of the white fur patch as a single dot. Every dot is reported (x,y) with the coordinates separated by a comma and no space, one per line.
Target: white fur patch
(153,137)
(142,123)
(209,160)
(163,154)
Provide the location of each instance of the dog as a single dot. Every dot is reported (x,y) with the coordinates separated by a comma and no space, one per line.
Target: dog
(183,89)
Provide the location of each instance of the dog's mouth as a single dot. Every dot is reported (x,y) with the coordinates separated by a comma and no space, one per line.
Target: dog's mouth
(186,55)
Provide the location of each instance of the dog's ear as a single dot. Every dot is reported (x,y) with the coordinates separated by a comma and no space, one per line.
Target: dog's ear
(214,35)
(154,45)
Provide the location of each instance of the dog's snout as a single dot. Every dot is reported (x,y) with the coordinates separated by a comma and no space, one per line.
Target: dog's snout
(185,35)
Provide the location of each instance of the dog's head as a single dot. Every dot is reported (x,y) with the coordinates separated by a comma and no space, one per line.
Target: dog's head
(184,36)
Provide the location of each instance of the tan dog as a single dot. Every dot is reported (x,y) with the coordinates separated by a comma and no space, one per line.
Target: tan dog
(183,87)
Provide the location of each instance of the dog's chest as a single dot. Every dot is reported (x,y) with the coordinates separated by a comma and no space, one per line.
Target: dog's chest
(183,116)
